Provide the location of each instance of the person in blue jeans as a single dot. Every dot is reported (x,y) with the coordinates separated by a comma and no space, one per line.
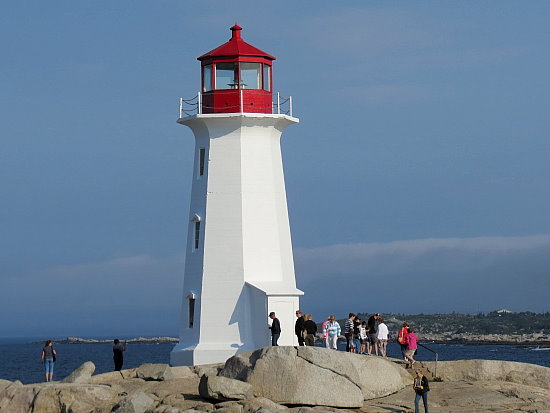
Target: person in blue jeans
(421,388)
(48,358)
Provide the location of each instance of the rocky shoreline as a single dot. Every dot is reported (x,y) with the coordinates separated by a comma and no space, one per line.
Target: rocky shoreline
(288,380)
(137,340)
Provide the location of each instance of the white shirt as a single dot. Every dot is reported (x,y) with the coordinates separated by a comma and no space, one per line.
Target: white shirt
(382,332)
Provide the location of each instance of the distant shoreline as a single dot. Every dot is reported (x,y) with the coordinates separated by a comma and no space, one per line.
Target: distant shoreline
(137,340)
(428,339)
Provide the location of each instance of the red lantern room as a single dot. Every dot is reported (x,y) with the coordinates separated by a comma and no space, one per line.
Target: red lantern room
(236,77)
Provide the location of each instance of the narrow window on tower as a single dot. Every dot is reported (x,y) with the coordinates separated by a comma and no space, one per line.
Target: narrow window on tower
(197,233)
(202,154)
(191,301)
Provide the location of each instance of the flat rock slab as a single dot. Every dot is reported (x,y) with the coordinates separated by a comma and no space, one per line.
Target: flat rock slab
(154,372)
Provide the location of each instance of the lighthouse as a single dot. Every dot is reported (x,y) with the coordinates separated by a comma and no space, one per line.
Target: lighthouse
(239,265)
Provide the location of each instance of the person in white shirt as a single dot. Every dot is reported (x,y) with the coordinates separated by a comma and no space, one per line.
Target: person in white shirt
(382,336)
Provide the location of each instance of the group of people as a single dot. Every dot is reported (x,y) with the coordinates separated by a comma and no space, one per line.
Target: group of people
(49,356)
(362,337)
(304,328)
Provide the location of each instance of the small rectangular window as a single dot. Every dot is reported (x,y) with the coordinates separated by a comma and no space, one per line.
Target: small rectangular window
(207,78)
(191,311)
(197,233)
(267,77)
(202,154)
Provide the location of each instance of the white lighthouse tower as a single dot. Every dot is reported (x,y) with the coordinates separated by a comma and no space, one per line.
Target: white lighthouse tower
(239,264)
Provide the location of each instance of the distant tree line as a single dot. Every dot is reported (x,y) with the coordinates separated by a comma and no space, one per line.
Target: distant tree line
(495,322)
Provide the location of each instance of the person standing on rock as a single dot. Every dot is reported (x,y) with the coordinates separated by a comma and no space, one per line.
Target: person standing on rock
(118,357)
(382,337)
(371,323)
(311,330)
(48,358)
(364,337)
(299,328)
(421,387)
(348,333)
(275,328)
(332,332)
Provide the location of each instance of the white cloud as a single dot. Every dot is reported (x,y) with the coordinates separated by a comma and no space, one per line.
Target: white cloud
(428,275)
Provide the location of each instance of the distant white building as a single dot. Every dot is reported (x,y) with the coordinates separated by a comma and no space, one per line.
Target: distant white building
(239,264)
(504,311)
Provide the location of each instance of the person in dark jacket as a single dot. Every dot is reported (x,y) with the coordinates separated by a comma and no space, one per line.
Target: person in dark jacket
(421,388)
(275,328)
(118,357)
(299,328)
(311,330)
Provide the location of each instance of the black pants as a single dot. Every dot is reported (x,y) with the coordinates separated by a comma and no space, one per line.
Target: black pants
(118,363)
(300,340)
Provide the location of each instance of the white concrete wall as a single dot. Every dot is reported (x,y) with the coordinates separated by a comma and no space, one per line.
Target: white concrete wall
(245,236)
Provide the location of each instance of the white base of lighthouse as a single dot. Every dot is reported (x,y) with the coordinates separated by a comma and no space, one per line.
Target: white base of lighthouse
(239,264)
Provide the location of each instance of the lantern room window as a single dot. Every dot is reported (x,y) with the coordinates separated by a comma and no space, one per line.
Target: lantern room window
(207,78)
(267,77)
(251,75)
(227,75)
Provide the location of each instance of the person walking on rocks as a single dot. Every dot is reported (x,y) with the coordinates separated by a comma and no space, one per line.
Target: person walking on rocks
(332,332)
(421,388)
(311,330)
(48,358)
(412,346)
(275,328)
(299,328)
(402,338)
(382,337)
(371,323)
(118,357)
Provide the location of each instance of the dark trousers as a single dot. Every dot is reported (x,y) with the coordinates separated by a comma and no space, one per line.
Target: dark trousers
(310,340)
(300,340)
(118,363)
(274,338)
(424,397)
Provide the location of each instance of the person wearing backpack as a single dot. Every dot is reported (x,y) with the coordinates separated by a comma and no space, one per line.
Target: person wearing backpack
(402,338)
(421,388)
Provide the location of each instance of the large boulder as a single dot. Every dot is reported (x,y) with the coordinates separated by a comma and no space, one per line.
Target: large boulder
(223,388)
(316,376)
(57,397)
(83,374)
(485,370)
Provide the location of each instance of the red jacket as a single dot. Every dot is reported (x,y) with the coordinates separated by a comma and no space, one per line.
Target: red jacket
(402,336)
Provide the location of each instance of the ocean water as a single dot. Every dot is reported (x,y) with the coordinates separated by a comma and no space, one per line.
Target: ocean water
(21,360)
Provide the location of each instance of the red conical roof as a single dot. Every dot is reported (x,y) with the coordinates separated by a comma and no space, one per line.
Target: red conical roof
(236,46)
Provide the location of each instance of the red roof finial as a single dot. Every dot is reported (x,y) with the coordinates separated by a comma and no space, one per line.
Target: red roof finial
(236,31)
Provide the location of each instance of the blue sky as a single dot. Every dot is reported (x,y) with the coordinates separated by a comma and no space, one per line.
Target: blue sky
(419,171)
